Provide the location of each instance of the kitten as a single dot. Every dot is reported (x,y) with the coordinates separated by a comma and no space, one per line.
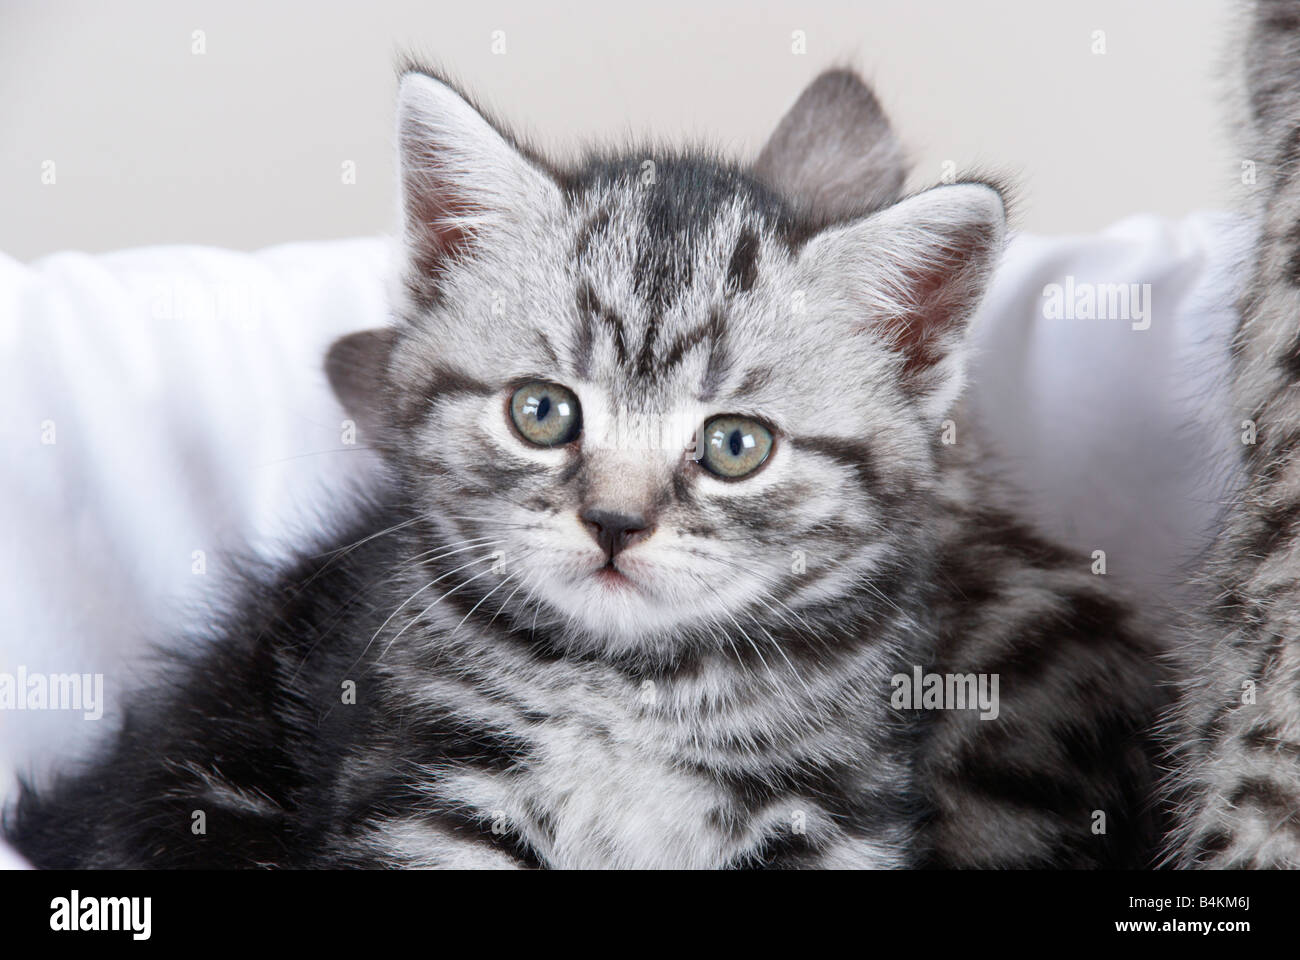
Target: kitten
(561,638)
(1235,735)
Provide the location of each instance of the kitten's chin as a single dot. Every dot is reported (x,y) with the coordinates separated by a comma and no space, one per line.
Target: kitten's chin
(619,607)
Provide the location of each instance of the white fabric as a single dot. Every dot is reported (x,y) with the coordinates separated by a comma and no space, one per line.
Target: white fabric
(1119,439)
(190,413)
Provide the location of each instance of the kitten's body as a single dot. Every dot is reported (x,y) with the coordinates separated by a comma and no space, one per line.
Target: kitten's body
(1236,732)
(721,695)
(575,761)
(497,750)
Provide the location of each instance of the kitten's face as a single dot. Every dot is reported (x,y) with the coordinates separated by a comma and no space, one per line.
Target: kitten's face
(663,405)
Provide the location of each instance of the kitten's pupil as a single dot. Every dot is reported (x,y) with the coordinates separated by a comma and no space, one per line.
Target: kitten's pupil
(735,441)
(543,408)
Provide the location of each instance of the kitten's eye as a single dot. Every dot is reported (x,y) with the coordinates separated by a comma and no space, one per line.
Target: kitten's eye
(546,414)
(735,446)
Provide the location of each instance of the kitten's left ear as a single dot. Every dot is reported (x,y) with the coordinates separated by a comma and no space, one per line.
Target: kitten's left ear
(357,368)
(914,274)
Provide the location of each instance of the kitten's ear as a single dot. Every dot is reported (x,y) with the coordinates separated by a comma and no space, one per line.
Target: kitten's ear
(914,273)
(357,366)
(834,153)
(461,176)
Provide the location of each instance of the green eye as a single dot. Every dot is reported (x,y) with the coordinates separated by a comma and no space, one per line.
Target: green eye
(546,414)
(735,446)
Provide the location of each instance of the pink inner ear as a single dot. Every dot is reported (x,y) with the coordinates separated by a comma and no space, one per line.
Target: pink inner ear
(939,292)
(919,332)
(433,205)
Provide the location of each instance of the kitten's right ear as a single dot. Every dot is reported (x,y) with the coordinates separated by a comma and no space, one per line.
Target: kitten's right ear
(834,153)
(357,366)
(461,176)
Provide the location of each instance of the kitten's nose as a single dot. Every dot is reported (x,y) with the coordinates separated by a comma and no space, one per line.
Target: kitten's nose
(615,531)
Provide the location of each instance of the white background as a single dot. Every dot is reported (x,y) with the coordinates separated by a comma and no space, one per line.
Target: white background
(243,146)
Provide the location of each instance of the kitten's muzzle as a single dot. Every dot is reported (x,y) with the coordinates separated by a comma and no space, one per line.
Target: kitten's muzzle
(615,532)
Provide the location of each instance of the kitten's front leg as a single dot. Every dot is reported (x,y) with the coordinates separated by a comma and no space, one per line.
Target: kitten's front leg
(813,839)
(429,842)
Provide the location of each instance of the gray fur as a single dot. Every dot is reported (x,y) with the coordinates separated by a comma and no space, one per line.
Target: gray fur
(1235,735)
(834,153)
(730,704)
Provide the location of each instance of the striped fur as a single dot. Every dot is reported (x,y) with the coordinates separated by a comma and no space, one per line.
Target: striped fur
(1065,777)
(1235,736)
(726,704)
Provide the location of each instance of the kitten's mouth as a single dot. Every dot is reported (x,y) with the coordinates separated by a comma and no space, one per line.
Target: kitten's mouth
(612,575)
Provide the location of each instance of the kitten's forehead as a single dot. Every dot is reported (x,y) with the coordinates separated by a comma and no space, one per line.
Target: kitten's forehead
(665,256)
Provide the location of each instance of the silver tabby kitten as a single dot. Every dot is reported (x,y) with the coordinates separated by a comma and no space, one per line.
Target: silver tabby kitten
(576,642)
(1236,730)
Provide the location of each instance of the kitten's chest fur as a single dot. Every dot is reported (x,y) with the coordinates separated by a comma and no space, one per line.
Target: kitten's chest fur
(610,773)
(616,795)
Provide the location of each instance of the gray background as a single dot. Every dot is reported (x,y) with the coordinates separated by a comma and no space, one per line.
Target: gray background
(244,145)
